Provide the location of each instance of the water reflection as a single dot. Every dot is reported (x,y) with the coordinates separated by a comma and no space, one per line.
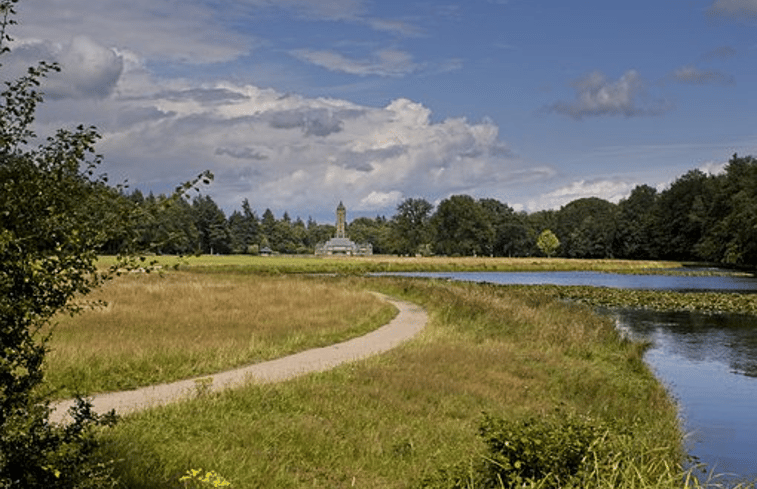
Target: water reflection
(729,339)
(727,283)
(709,363)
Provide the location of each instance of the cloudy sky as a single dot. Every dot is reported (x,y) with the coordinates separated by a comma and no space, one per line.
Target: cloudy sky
(298,104)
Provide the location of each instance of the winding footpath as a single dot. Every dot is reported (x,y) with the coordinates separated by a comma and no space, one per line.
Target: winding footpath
(407,323)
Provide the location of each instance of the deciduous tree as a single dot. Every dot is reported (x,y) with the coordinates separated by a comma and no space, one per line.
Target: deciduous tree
(548,243)
(410,226)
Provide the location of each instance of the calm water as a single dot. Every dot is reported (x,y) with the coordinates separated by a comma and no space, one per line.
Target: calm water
(708,362)
(598,279)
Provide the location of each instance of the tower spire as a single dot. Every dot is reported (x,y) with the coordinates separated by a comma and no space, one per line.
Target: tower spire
(341,220)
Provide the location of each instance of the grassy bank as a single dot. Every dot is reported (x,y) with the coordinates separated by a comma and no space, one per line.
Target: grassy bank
(387,263)
(161,328)
(412,416)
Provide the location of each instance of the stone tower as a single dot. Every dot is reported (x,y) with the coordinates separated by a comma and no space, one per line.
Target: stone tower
(340,244)
(341,220)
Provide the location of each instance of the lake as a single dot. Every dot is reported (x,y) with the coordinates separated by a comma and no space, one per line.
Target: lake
(708,362)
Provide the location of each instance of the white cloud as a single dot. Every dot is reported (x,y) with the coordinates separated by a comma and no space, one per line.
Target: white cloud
(610,190)
(290,152)
(598,96)
(713,167)
(395,27)
(380,200)
(316,9)
(734,8)
(722,52)
(184,30)
(386,62)
(692,74)
(88,69)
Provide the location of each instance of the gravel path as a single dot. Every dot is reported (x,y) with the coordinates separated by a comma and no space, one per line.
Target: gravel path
(408,322)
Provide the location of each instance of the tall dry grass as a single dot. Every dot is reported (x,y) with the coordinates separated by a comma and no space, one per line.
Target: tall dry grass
(162,328)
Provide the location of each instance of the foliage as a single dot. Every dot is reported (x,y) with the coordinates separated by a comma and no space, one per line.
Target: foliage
(550,451)
(548,242)
(461,227)
(633,236)
(52,213)
(56,214)
(410,226)
(586,228)
(511,229)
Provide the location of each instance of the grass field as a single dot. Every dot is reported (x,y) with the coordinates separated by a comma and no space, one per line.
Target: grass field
(408,418)
(159,328)
(389,263)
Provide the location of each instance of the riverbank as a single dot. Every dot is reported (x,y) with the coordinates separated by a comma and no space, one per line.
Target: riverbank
(412,416)
(289,264)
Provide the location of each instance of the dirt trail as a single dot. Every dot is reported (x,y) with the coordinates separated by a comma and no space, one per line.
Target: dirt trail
(408,322)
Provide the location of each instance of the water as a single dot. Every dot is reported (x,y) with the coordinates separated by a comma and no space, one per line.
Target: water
(598,279)
(709,365)
(708,362)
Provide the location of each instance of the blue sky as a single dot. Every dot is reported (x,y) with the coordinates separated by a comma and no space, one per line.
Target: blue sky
(299,104)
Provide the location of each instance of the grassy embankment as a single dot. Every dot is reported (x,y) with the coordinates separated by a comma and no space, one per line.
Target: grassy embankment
(398,419)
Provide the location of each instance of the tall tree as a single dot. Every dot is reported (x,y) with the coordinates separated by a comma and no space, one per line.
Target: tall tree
(679,216)
(212,226)
(268,226)
(461,227)
(633,238)
(586,228)
(730,221)
(244,228)
(410,226)
(367,230)
(511,237)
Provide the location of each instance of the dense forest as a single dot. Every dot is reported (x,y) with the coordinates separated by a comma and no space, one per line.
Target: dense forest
(699,217)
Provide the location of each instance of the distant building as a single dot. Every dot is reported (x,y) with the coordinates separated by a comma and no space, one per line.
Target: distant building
(340,244)
(266,251)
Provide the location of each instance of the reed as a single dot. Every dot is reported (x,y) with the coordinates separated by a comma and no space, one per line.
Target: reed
(161,328)
(405,417)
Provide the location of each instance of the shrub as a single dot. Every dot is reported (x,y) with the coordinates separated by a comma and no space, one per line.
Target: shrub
(551,451)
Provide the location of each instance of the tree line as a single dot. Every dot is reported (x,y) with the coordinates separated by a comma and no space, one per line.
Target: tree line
(699,217)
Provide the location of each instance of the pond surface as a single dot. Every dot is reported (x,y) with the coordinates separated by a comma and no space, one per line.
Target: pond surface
(708,362)
(709,365)
(726,283)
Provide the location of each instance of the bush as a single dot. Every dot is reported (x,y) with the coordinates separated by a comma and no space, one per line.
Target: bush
(551,451)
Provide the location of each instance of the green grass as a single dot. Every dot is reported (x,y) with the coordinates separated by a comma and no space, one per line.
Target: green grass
(386,263)
(398,419)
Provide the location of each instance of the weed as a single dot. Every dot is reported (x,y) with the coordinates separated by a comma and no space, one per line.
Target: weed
(194,478)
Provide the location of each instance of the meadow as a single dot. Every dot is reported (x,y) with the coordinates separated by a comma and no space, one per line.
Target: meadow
(386,263)
(143,329)
(493,362)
